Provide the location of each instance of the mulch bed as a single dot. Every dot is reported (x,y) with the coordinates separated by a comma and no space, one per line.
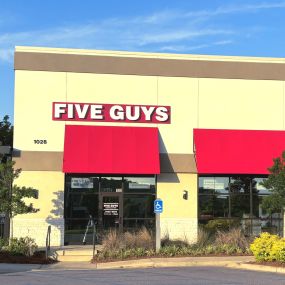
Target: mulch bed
(38,258)
(95,260)
(269,263)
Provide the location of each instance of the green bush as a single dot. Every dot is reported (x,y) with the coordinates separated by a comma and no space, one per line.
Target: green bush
(21,246)
(3,243)
(221,225)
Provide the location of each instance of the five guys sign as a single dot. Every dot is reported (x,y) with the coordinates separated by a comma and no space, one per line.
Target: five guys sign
(64,111)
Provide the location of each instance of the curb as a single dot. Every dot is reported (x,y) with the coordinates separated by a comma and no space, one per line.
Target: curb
(257,267)
(170,262)
(15,267)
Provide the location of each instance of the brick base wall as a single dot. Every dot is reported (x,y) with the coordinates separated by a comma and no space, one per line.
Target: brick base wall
(185,229)
(37,229)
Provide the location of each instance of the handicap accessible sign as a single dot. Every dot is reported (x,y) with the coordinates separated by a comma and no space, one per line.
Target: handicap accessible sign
(158,206)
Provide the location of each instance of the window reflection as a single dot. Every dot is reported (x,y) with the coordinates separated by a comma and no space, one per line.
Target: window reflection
(237,197)
(139,184)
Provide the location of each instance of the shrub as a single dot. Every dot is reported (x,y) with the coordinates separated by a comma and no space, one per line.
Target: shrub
(204,238)
(113,241)
(3,243)
(221,225)
(233,238)
(140,239)
(166,242)
(116,241)
(21,246)
(262,247)
(277,252)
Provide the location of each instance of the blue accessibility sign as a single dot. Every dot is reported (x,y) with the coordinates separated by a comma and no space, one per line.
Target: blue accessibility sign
(158,206)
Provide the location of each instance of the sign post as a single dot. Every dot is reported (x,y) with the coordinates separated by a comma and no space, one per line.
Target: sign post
(158,209)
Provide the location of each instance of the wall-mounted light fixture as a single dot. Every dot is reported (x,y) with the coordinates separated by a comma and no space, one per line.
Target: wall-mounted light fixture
(185,194)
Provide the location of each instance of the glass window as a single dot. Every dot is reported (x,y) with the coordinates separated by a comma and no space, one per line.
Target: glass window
(240,184)
(206,185)
(217,185)
(139,184)
(221,206)
(111,184)
(220,199)
(138,206)
(258,187)
(206,207)
(82,205)
(84,184)
(240,205)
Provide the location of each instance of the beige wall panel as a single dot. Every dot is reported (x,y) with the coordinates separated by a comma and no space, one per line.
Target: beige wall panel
(50,185)
(34,94)
(50,203)
(111,89)
(104,88)
(179,219)
(182,95)
(240,104)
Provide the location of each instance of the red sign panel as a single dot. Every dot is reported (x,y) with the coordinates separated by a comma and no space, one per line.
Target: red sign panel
(65,111)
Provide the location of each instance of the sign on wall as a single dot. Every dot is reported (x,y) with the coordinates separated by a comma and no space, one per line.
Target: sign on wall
(64,111)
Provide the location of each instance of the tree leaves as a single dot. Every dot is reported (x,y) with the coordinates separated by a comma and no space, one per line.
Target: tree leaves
(276,184)
(6,132)
(12,196)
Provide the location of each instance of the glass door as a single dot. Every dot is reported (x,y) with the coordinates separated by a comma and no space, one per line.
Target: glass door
(111,212)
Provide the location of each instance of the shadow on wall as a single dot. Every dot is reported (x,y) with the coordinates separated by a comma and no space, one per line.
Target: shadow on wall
(55,218)
(168,174)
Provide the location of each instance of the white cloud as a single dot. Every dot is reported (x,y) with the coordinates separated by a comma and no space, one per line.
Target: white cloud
(165,30)
(189,48)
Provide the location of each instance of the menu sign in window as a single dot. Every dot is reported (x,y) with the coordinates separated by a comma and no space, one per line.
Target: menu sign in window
(111,209)
(81,183)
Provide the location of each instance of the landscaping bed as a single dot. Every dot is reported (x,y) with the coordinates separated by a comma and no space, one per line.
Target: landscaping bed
(22,250)
(139,245)
(38,257)
(269,263)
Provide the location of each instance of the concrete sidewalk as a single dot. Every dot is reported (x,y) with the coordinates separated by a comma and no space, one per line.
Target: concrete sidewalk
(236,262)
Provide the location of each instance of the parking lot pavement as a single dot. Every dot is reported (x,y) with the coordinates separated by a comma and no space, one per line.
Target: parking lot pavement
(154,276)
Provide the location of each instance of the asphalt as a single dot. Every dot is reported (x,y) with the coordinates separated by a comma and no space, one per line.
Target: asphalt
(196,275)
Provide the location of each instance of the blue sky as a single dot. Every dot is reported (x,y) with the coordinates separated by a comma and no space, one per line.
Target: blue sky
(239,27)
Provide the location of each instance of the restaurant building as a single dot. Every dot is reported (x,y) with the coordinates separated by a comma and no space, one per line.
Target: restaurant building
(101,134)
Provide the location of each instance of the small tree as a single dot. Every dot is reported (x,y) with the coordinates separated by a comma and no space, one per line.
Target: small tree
(6,132)
(276,184)
(12,196)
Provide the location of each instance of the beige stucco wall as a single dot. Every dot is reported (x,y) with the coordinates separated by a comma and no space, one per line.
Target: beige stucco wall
(195,103)
(50,186)
(179,217)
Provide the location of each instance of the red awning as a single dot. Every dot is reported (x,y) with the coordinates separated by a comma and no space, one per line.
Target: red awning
(237,151)
(111,150)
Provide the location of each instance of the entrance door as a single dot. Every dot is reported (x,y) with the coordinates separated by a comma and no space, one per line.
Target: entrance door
(111,211)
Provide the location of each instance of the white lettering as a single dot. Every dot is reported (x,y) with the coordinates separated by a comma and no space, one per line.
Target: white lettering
(117,112)
(96,112)
(70,111)
(81,110)
(59,110)
(162,114)
(148,111)
(130,110)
